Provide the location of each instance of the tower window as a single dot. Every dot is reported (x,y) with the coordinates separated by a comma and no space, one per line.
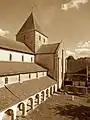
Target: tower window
(25,37)
(10,57)
(39,37)
(22,58)
(6,80)
(44,40)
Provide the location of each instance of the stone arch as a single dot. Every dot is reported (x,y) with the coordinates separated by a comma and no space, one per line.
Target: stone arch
(30,103)
(20,110)
(8,115)
(42,96)
(36,100)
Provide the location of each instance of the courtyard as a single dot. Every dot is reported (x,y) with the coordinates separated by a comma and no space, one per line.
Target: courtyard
(61,107)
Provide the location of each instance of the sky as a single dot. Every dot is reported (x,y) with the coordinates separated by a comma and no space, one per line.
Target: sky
(67,20)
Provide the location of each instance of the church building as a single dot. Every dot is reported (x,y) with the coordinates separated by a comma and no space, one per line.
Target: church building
(31,70)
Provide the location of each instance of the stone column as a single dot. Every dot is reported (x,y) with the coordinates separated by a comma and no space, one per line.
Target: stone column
(39,98)
(55,87)
(44,95)
(48,92)
(14,113)
(1,115)
(32,105)
(25,108)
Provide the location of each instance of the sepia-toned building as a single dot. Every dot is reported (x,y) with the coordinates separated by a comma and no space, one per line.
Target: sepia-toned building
(78,70)
(31,70)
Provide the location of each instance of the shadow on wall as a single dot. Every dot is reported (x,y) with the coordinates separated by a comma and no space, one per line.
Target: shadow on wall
(73,112)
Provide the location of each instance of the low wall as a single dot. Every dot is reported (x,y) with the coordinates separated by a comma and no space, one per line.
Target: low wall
(75,89)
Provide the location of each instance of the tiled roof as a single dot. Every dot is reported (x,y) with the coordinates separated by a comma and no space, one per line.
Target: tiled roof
(7,99)
(9,68)
(31,24)
(30,87)
(24,90)
(14,45)
(49,48)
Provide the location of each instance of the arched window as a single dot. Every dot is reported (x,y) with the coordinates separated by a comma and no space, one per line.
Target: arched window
(6,80)
(37,75)
(10,57)
(44,40)
(39,37)
(22,58)
(29,75)
(31,59)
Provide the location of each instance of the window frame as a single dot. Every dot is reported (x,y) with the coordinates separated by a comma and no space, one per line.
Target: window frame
(6,80)
(10,57)
(29,75)
(44,40)
(39,37)
(22,58)
(31,59)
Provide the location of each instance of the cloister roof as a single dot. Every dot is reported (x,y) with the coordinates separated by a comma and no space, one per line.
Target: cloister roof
(30,87)
(11,68)
(7,99)
(23,90)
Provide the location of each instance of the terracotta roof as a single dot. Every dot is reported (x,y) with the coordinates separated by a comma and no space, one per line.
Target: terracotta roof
(49,48)
(12,96)
(30,87)
(9,68)
(14,45)
(31,24)
(7,99)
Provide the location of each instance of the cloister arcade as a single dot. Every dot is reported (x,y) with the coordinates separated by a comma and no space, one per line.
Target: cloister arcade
(22,108)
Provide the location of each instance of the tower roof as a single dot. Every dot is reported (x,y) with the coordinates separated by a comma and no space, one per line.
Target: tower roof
(31,24)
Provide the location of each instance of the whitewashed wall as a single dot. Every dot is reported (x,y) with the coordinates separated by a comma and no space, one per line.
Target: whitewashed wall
(1,82)
(16,56)
(24,77)
(40,74)
(45,73)
(13,79)
(38,42)
(33,75)
(20,78)
(27,58)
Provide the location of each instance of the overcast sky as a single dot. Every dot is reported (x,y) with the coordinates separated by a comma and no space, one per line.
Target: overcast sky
(60,19)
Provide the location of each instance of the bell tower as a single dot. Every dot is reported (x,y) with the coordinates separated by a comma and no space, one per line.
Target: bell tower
(31,34)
